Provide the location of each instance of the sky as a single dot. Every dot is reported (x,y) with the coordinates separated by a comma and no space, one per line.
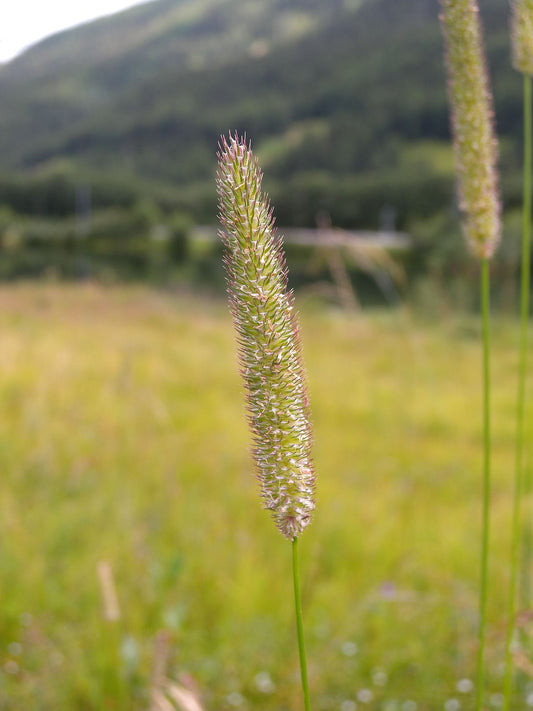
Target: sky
(25,22)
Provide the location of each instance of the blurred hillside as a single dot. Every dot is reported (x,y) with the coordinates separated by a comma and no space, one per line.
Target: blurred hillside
(330,93)
(345,102)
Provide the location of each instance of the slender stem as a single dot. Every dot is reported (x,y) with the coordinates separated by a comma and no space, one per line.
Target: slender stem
(525,589)
(485,310)
(299,622)
(526,262)
(520,401)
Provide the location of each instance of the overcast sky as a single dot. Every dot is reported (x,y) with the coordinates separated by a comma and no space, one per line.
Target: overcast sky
(24,22)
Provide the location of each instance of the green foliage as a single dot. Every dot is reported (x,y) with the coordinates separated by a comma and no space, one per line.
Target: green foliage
(141,242)
(360,200)
(52,193)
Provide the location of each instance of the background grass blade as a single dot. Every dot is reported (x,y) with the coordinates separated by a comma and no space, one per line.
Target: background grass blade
(519,484)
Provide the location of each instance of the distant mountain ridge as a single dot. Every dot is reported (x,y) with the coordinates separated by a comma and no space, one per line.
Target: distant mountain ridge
(324,89)
(74,74)
(191,33)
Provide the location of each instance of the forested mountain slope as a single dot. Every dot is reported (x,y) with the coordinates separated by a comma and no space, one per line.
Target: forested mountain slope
(342,98)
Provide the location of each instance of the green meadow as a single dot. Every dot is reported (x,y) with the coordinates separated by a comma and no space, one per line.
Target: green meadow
(123,441)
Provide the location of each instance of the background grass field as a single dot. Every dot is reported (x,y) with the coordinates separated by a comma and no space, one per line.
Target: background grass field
(122,439)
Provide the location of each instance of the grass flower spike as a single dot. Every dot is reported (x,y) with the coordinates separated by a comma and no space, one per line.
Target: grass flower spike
(475,158)
(522,36)
(472,123)
(269,354)
(268,340)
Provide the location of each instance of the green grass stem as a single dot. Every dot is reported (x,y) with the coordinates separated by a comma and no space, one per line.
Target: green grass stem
(484,557)
(299,622)
(525,588)
(520,400)
(524,298)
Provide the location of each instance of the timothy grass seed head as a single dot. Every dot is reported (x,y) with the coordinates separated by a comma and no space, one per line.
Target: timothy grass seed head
(522,35)
(472,125)
(268,340)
